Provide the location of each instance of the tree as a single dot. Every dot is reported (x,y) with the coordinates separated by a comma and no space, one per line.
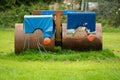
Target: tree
(109,10)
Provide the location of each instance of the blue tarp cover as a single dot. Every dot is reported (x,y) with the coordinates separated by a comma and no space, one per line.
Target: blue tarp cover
(68,11)
(47,12)
(51,12)
(76,19)
(43,22)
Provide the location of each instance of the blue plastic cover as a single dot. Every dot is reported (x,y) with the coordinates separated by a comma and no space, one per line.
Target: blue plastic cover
(68,11)
(51,12)
(76,19)
(43,22)
(47,12)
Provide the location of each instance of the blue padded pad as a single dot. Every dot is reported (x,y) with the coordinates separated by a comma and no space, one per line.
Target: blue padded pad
(47,12)
(68,11)
(42,22)
(76,19)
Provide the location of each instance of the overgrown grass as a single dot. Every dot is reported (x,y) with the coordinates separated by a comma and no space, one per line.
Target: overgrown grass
(62,55)
(61,64)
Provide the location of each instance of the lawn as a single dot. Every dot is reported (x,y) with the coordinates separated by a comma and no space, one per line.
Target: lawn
(6,41)
(81,70)
(60,65)
(112,41)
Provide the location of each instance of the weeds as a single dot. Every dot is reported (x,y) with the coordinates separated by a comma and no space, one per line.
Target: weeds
(61,55)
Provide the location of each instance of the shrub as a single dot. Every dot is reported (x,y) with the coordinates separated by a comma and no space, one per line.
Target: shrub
(14,15)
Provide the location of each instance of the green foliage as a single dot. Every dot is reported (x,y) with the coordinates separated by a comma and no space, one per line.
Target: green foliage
(13,11)
(8,4)
(108,10)
(14,15)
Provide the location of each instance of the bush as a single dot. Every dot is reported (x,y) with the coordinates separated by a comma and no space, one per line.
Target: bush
(109,11)
(14,15)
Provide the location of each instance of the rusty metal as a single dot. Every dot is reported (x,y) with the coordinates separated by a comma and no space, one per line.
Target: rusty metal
(77,42)
(82,43)
(57,15)
(31,41)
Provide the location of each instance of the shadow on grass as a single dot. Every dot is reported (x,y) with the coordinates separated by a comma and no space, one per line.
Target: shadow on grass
(61,55)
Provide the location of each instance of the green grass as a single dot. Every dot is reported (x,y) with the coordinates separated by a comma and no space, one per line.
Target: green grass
(61,64)
(6,41)
(35,70)
(63,55)
(110,29)
(112,42)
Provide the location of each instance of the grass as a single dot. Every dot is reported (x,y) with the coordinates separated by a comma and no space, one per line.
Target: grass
(110,29)
(112,42)
(35,70)
(6,41)
(64,55)
(61,64)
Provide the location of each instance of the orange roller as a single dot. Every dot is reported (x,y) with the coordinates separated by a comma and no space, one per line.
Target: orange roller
(47,41)
(90,37)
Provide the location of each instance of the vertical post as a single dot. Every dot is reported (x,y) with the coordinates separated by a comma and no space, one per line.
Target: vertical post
(82,5)
(58,29)
(72,4)
(86,5)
